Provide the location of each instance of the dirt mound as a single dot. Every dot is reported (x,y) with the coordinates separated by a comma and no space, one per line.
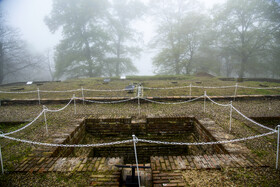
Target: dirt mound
(203,74)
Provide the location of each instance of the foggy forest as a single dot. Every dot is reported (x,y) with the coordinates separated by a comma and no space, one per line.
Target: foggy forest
(233,38)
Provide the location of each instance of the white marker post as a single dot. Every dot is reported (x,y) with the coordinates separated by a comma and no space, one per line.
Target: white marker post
(204,101)
(230,116)
(83,95)
(75,110)
(135,152)
(191,89)
(45,117)
(138,96)
(39,98)
(235,91)
(277,154)
(1,160)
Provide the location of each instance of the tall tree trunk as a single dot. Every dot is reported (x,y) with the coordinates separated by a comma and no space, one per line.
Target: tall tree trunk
(188,67)
(87,52)
(89,60)
(242,67)
(118,56)
(177,68)
(227,67)
(49,66)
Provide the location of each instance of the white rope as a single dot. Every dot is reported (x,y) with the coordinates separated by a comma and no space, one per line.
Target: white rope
(62,91)
(58,110)
(24,92)
(148,88)
(92,90)
(259,88)
(212,87)
(65,145)
(108,102)
(253,120)
(165,103)
(139,140)
(207,143)
(42,112)
(25,125)
(166,88)
(225,105)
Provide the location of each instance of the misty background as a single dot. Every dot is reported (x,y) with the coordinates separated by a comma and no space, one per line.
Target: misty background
(59,39)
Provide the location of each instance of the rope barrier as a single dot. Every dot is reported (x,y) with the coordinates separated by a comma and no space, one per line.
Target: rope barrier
(139,140)
(92,90)
(24,92)
(260,88)
(20,129)
(253,120)
(65,145)
(35,119)
(107,102)
(212,87)
(148,88)
(207,143)
(158,102)
(62,91)
(224,105)
(166,88)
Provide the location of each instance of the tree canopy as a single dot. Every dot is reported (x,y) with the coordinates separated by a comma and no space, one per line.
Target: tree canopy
(96,36)
(238,37)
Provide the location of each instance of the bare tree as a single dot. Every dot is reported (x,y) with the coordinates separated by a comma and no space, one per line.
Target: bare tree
(14,54)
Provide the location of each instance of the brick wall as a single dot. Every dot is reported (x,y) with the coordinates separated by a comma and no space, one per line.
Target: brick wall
(202,135)
(74,138)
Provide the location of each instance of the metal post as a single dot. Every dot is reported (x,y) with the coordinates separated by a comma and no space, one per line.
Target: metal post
(204,101)
(45,117)
(230,116)
(277,155)
(39,98)
(191,89)
(135,152)
(75,110)
(138,96)
(139,107)
(235,91)
(2,167)
(83,95)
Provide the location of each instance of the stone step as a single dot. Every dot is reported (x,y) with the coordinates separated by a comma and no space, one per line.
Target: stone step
(170,178)
(68,164)
(216,161)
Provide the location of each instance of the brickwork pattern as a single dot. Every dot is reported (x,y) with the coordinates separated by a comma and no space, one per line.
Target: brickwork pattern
(216,161)
(68,164)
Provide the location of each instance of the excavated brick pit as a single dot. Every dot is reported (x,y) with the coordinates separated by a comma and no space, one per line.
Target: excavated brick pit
(177,129)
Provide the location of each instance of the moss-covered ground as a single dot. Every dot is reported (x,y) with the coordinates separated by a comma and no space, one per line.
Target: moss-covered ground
(263,148)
